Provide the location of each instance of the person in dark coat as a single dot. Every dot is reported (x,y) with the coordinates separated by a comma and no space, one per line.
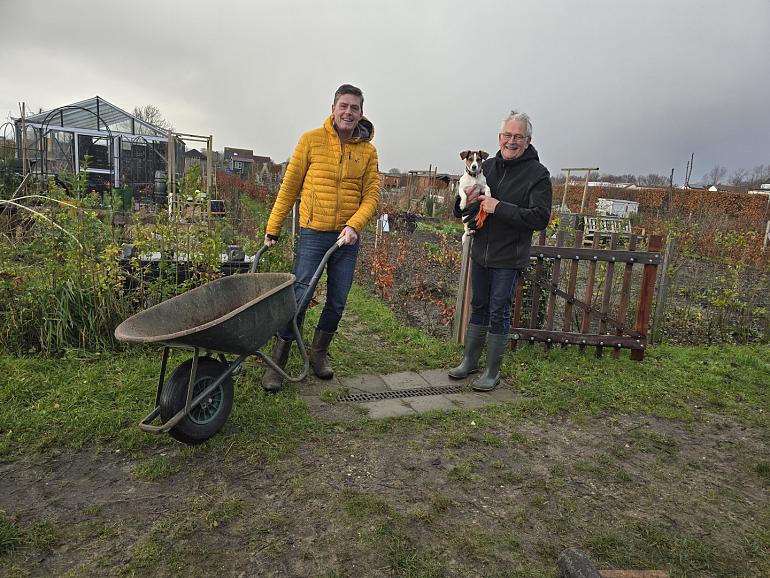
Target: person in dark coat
(519,205)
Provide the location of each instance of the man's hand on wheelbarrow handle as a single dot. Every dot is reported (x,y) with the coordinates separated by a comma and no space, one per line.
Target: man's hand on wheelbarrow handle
(271,240)
(348,236)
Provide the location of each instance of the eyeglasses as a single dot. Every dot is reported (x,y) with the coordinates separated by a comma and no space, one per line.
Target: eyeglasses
(506,136)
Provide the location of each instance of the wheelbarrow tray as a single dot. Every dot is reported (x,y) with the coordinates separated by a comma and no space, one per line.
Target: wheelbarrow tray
(236,314)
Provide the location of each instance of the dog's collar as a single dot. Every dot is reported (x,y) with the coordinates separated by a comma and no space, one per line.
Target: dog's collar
(470,173)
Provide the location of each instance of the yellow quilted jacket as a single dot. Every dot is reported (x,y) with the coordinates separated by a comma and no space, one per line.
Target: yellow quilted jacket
(340,185)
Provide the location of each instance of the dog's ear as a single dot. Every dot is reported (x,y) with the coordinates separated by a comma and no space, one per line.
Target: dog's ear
(465,154)
(483,155)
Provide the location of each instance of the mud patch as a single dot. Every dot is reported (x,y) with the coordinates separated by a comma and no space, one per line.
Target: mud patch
(446,495)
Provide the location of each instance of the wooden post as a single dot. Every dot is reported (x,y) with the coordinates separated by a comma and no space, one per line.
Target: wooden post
(646,293)
(585,192)
(409,192)
(625,291)
(609,274)
(462,305)
(24,160)
(662,290)
(585,324)
(564,206)
(767,231)
(571,283)
(209,168)
(555,277)
(536,290)
(169,165)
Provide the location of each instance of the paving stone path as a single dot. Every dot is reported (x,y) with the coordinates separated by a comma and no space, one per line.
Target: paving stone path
(396,394)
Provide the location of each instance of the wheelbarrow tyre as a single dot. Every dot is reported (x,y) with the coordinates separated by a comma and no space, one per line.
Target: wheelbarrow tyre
(208,417)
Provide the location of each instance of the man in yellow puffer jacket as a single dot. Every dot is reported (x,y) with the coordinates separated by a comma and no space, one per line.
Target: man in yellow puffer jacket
(334,168)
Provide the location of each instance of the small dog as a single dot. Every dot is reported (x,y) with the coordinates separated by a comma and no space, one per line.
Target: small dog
(473,176)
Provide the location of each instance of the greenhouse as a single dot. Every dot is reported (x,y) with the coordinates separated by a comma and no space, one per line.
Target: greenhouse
(113,147)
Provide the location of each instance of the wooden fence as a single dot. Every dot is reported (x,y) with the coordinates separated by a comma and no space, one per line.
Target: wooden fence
(609,308)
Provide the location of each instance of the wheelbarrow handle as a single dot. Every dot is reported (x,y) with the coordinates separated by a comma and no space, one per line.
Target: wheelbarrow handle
(255,263)
(317,275)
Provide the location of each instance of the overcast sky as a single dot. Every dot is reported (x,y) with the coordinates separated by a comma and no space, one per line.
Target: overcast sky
(623,85)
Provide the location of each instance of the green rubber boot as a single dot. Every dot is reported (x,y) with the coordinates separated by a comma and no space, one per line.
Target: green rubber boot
(272,381)
(319,352)
(474,341)
(496,346)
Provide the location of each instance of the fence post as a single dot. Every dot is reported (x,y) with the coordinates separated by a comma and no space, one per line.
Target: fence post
(572,283)
(609,278)
(661,293)
(585,323)
(463,293)
(646,293)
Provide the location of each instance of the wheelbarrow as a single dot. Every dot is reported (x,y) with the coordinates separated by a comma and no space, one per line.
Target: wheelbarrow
(234,315)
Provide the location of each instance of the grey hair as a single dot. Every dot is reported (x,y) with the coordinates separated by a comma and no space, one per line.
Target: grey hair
(349,89)
(520,117)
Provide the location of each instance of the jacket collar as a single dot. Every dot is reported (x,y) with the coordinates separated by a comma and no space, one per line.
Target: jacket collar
(364,131)
(530,153)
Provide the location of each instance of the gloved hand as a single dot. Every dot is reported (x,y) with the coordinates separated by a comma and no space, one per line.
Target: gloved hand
(469,215)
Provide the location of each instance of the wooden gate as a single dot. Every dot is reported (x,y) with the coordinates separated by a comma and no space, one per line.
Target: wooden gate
(584,296)
(600,316)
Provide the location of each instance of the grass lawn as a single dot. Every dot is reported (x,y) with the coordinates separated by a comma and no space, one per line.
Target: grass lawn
(658,464)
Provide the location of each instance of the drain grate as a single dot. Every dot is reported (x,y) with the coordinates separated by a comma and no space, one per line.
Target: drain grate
(403,393)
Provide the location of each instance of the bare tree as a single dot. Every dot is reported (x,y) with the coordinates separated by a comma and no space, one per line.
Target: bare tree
(759,175)
(714,176)
(738,178)
(151,114)
(610,178)
(394,171)
(652,180)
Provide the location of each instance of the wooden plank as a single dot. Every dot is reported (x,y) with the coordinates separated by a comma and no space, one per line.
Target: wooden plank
(525,334)
(585,324)
(571,283)
(646,293)
(555,278)
(625,291)
(591,254)
(609,273)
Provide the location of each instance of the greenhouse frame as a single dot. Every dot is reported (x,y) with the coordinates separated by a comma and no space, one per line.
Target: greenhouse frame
(122,150)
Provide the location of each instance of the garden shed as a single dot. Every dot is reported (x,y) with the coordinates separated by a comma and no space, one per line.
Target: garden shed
(122,149)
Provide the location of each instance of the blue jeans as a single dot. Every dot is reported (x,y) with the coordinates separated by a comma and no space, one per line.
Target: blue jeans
(311,248)
(492,297)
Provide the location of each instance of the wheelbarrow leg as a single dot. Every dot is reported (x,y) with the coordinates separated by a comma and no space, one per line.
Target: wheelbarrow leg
(191,382)
(302,350)
(162,378)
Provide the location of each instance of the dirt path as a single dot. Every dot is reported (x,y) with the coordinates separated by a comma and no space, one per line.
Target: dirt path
(501,498)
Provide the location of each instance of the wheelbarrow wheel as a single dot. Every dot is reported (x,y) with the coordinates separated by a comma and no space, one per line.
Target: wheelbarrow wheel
(206,418)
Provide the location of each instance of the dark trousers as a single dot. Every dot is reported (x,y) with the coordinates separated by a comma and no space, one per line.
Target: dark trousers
(492,297)
(311,248)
